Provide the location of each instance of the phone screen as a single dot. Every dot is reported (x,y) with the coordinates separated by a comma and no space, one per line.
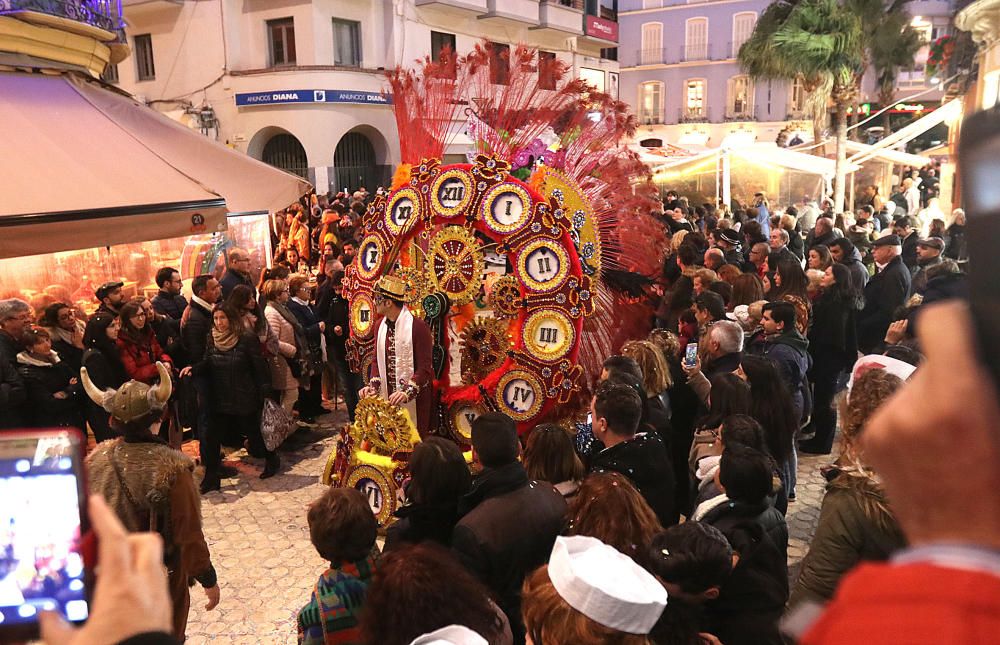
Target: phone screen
(41,524)
(691,354)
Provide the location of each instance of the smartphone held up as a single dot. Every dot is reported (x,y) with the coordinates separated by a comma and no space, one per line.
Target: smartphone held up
(42,522)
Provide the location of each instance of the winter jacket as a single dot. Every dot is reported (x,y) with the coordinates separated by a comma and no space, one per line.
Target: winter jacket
(106,372)
(885,292)
(238,377)
(919,282)
(919,602)
(813,240)
(790,354)
(752,600)
(833,336)
(281,373)
(335,311)
(232,278)
(508,530)
(170,305)
(957,248)
(310,323)
(418,523)
(796,244)
(43,380)
(140,359)
(855,525)
(196,324)
(859,273)
(644,460)
(910,251)
(13,393)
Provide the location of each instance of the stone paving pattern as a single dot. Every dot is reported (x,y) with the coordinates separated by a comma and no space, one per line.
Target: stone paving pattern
(259,538)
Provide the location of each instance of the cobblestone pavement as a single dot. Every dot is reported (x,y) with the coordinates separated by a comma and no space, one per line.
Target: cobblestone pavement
(267,568)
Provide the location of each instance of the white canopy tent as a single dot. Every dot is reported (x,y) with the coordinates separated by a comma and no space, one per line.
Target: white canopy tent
(784,175)
(85,167)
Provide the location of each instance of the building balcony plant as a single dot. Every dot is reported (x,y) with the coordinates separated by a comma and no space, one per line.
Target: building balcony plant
(103,14)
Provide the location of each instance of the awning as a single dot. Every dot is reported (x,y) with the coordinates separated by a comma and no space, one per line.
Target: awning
(949,111)
(83,166)
(857,149)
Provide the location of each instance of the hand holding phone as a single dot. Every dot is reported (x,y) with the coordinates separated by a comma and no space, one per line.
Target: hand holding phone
(691,355)
(131,596)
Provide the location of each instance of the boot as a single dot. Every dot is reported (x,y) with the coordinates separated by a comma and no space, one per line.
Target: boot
(209,483)
(271,464)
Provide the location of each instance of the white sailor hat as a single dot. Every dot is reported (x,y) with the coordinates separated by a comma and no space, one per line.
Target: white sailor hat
(451,635)
(606,585)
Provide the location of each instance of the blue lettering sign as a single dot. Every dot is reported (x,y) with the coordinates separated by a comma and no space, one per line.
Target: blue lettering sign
(279,97)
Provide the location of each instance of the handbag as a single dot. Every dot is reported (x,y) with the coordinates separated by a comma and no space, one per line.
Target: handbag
(276,424)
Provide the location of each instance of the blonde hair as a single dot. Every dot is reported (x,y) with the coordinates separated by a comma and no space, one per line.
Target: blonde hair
(788,223)
(655,371)
(677,240)
(667,341)
(273,288)
(296,281)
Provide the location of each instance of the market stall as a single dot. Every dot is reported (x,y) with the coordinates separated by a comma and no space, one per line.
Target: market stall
(101,187)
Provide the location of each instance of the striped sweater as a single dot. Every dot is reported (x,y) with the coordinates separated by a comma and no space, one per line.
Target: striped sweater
(331,617)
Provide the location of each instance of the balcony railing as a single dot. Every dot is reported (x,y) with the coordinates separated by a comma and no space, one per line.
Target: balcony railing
(740,115)
(573,4)
(654,117)
(683,54)
(104,14)
(693,115)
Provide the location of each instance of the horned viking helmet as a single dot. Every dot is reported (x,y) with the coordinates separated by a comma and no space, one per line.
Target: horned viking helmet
(134,399)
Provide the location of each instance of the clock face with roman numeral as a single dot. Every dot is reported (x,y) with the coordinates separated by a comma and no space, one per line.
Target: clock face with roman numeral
(436,229)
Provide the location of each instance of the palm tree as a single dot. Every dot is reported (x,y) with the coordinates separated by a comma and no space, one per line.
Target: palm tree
(823,42)
(893,45)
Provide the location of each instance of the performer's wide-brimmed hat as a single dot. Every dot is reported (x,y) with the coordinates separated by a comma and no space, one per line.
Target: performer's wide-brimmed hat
(391,287)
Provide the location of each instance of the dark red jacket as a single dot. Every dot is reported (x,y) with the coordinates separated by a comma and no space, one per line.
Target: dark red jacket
(140,358)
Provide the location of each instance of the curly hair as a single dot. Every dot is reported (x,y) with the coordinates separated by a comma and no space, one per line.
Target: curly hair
(609,508)
(668,342)
(550,620)
(655,370)
(870,391)
(421,588)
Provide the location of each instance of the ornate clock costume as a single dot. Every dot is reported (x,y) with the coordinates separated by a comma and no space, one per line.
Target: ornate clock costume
(524,262)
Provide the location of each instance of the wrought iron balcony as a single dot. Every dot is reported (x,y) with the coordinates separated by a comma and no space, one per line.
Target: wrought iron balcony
(103,14)
(693,115)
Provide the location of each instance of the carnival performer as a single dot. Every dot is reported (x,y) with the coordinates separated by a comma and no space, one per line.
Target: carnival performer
(402,372)
(151,487)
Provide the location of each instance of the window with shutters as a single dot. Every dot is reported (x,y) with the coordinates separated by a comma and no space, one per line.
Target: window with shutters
(652,44)
(144,68)
(696,39)
(281,42)
(743,24)
(739,102)
(797,97)
(651,102)
(694,97)
(346,43)
(499,64)
(547,70)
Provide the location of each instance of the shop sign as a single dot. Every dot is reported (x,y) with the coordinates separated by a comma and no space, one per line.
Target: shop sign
(279,97)
(601,28)
(908,108)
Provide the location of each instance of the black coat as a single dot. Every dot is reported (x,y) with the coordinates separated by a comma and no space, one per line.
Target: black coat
(310,323)
(833,337)
(644,460)
(859,273)
(957,248)
(335,311)
(910,251)
(42,382)
(238,377)
(885,292)
(796,244)
(230,279)
(418,523)
(105,369)
(12,391)
(196,323)
(170,305)
(752,600)
(12,395)
(507,533)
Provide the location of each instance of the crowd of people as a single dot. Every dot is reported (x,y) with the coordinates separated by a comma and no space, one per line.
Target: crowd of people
(660,519)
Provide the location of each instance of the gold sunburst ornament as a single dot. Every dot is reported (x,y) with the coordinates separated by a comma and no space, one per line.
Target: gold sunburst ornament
(455,264)
(386,428)
(484,347)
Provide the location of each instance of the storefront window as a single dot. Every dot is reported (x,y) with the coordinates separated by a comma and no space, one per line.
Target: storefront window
(72,276)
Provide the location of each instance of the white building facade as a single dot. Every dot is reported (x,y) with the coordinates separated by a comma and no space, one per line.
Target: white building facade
(300,84)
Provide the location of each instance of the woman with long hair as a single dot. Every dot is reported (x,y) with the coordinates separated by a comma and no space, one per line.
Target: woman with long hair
(608,507)
(104,362)
(137,344)
(792,285)
(66,331)
(439,478)
(747,289)
(239,376)
(772,407)
(656,377)
(819,257)
(856,522)
(549,456)
(422,588)
(833,345)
